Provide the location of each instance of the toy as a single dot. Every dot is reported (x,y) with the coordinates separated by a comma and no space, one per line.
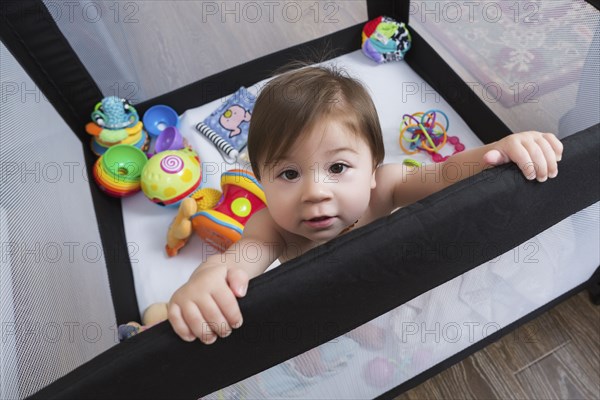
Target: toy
(385,39)
(169,139)
(171,176)
(118,171)
(379,372)
(227,126)
(115,121)
(218,141)
(233,117)
(409,162)
(219,222)
(153,315)
(125,331)
(158,117)
(428,134)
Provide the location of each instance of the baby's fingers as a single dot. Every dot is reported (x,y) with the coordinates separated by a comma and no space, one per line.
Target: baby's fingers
(550,157)
(556,145)
(237,279)
(214,322)
(520,154)
(178,324)
(198,324)
(230,309)
(539,169)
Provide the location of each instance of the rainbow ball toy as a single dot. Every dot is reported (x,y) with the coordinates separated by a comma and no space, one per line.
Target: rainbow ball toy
(223,225)
(119,170)
(171,176)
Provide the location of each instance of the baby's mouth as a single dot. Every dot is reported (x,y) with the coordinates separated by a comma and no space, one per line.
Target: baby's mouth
(320,222)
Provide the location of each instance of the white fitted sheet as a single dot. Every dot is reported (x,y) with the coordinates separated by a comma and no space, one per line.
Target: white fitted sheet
(396,90)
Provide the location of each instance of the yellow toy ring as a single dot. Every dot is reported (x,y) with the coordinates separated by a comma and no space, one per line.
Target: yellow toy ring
(444,139)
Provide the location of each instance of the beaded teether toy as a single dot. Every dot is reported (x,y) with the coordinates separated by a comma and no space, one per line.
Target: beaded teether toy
(427,134)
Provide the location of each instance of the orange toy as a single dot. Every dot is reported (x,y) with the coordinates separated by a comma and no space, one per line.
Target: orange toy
(220,224)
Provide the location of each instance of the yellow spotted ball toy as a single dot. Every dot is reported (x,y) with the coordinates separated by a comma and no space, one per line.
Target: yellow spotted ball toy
(171,176)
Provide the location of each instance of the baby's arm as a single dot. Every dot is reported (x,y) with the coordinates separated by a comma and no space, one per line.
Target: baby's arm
(536,154)
(206,306)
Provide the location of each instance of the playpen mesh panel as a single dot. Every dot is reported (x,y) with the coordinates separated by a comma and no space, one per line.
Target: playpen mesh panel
(437,324)
(534,63)
(142,49)
(56,310)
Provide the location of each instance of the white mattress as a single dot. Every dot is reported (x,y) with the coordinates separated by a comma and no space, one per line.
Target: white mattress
(396,90)
(429,328)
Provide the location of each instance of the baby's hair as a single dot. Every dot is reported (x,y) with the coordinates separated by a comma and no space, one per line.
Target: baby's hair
(293,102)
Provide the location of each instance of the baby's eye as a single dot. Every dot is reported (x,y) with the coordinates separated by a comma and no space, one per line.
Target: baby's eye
(337,168)
(289,175)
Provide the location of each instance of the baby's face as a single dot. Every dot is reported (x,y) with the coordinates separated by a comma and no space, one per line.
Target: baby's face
(323,184)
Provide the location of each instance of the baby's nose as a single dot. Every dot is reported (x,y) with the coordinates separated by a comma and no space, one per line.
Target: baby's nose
(315,190)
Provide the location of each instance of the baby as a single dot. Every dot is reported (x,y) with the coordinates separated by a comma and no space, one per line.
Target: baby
(316,147)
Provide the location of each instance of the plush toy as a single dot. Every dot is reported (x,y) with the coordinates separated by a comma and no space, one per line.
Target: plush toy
(115,121)
(385,39)
(218,218)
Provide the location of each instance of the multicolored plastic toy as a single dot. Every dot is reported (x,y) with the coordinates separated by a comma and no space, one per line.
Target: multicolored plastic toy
(221,223)
(158,117)
(118,171)
(428,134)
(171,176)
(115,121)
(169,139)
(384,39)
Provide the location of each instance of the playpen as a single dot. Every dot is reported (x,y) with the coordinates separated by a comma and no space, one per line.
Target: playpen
(442,277)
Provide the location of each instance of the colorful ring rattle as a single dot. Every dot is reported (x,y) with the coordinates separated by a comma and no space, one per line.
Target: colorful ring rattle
(427,134)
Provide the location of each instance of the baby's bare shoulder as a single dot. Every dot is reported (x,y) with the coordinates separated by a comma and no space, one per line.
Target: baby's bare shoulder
(382,196)
(261,227)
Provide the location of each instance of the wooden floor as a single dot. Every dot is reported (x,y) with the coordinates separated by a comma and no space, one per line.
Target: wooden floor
(555,356)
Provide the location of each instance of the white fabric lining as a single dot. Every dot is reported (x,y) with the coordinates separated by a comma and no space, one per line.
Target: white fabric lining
(396,89)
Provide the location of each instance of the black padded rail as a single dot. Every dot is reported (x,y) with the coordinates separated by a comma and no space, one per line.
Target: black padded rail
(396,9)
(429,65)
(349,281)
(29,32)
(436,72)
(226,82)
(31,35)
(321,49)
(594,287)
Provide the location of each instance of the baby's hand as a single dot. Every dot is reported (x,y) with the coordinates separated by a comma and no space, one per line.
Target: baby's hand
(535,153)
(206,306)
